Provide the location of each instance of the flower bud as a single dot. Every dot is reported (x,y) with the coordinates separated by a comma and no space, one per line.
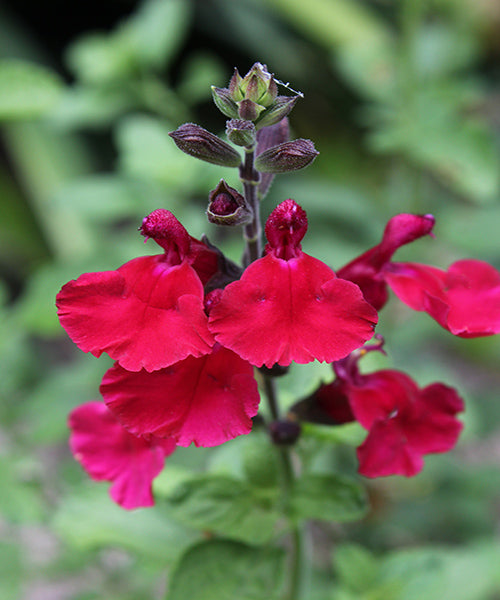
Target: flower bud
(277,111)
(249,110)
(227,206)
(266,138)
(289,156)
(259,85)
(252,97)
(241,133)
(284,433)
(224,102)
(200,143)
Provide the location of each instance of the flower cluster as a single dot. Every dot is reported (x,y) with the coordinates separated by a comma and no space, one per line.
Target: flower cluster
(188,329)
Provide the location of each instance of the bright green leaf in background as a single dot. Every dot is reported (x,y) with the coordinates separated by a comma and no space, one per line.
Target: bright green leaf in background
(328,498)
(225,505)
(27,90)
(224,570)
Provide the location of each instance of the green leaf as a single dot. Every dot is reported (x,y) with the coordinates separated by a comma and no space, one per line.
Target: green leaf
(225,570)
(432,132)
(356,568)
(363,44)
(157,30)
(351,434)
(89,519)
(224,505)
(147,151)
(328,498)
(27,90)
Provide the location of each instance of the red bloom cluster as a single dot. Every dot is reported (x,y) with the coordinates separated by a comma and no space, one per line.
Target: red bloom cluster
(186,341)
(403,421)
(184,361)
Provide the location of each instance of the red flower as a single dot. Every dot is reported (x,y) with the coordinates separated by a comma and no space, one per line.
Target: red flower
(465,300)
(108,452)
(404,422)
(366,270)
(149,312)
(289,306)
(206,400)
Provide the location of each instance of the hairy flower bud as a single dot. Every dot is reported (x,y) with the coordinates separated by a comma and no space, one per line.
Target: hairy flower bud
(227,206)
(276,112)
(253,97)
(289,156)
(224,102)
(241,133)
(200,143)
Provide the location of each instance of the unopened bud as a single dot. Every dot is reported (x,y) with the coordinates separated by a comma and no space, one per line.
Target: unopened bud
(249,110)
(200,143)
(277,111)
(227,206)
(241,133)
(284,433)
(266,138)
(224,102)
(286,157)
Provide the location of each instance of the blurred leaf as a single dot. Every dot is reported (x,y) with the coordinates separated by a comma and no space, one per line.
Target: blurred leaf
(11,570)
(224,570)
(146,40)
(23,502)
(157,29)
(92,107)
(201,71)
(328,498)
(433,132)
(47,406)
(351,434)
(44,160)
(363,43)
(27,90)
(89,519)
(441,49)
(445,573)
(147,151)
(225,505)
(108,197)
(356,567)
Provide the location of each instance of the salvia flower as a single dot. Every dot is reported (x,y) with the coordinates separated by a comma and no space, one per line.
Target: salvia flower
(367,270)
(404,422)
(465,299)
(148,314)
(108,452)
(206,400)
(289,306)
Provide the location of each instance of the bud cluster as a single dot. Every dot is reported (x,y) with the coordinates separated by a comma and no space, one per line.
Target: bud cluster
(253,98)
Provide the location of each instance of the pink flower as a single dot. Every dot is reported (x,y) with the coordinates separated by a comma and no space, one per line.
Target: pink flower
(206,400)
(366,270)
(404,422)
(289,306)
(465,300)
(149,312)
(108,452)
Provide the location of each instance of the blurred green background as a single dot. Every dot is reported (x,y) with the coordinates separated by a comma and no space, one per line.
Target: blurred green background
(401,98)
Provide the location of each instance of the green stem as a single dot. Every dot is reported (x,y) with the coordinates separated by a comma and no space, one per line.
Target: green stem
(296,557)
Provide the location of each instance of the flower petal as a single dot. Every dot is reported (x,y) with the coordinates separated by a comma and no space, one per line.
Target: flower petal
(108,452)
(385,452)
(145,315)
(291,310)
(206,400)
